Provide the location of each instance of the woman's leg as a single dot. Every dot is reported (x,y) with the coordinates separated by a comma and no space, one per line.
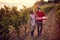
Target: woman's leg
(32,30)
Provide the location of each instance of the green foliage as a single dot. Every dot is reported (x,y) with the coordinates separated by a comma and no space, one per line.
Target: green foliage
(58,14)
(46,8)
(58,6)
(4,21)
(11,16)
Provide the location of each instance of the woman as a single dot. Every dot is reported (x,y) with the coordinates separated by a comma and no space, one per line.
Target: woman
(32,22)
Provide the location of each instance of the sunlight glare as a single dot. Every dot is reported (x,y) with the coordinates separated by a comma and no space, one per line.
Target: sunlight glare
(46,0)
(20,3)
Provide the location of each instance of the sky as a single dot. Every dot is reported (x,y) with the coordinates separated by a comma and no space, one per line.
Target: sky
(19,3)
(46,0)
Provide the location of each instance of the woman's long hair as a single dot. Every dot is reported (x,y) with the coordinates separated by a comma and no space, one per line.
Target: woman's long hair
(31,12)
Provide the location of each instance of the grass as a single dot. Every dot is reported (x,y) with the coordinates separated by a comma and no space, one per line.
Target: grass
(47,7)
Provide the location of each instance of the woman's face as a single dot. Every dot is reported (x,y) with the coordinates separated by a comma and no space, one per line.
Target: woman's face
(32,12)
